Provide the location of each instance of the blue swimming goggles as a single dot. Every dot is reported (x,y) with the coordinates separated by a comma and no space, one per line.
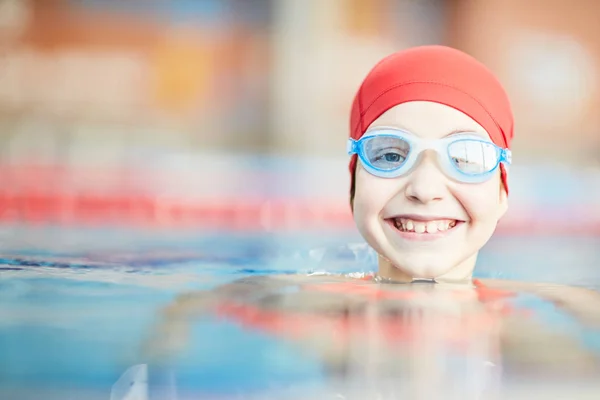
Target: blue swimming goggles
(390,153)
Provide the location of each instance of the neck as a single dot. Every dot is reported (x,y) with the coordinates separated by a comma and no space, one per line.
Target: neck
(462,273)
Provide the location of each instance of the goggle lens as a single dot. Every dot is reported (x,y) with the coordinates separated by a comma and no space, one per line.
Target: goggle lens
(473,157)
(386,152)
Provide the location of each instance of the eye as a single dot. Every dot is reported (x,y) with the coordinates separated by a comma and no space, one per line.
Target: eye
(460,161)
(390,156)
(393,157)
(467,165)
(386,152)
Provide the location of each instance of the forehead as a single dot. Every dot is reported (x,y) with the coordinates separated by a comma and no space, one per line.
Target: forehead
(427,119)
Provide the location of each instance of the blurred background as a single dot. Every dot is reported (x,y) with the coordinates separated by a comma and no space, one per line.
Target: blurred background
(234,113)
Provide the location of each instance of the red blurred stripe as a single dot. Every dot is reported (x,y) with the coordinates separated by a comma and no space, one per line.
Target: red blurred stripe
(42,194)
(37,207)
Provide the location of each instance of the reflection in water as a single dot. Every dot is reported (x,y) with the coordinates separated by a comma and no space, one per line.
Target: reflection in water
(421,340)
(75,307)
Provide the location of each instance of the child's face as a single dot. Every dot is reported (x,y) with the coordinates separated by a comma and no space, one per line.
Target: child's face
(427,196)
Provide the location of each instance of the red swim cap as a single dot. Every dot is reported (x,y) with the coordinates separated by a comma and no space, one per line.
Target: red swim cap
(439,74)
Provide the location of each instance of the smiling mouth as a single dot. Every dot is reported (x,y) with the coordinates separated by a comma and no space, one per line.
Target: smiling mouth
(423,227)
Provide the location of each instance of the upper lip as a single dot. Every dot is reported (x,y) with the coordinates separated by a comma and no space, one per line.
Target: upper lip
(423,218)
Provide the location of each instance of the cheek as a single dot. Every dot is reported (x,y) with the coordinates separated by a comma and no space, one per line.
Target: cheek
(482,202)
(371,195)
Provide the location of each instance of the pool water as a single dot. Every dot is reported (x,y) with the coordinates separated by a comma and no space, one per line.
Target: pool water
(78,309)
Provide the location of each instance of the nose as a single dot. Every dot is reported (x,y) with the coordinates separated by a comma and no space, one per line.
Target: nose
(426,183)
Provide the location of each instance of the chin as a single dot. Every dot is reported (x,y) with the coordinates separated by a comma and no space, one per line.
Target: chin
(424,269)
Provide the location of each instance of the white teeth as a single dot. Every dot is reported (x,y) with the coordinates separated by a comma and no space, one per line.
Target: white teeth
(431,227)
(419,227)
(407,225)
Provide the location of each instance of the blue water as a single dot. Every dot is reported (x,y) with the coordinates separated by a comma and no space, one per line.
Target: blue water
(76,306)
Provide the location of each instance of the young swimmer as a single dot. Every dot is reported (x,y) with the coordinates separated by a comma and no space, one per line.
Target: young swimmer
(430,137)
